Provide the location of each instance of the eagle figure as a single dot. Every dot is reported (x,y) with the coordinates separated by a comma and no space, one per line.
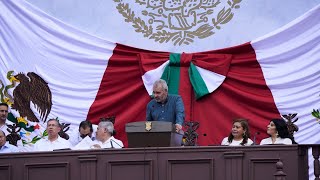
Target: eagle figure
(32,89)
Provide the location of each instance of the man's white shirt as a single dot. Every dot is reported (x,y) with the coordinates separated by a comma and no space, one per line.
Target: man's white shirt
(75,137)
(110,143)
(47,145)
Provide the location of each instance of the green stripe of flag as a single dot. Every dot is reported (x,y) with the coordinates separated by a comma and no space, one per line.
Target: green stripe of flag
(198,84)
(171,73)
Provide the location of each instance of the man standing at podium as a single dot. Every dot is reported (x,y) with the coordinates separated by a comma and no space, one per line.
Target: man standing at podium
(164,106)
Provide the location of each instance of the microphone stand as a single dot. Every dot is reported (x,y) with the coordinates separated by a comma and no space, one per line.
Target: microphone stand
(111,140)
(255,137)
(111,144)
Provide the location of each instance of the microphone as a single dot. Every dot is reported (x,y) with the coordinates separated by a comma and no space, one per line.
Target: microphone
(111,140)
(111,143)
(255,137)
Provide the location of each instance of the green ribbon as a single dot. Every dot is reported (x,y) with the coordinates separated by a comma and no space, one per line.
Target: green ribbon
(198,84)
(171,73)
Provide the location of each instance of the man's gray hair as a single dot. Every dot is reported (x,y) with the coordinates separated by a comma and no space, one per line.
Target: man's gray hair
(107,125)
(161,83)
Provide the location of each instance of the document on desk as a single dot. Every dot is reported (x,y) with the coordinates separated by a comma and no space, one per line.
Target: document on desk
(86,143)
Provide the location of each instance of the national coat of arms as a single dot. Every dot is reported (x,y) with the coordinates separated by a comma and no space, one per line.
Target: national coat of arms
(30,88)
(31,100)
(177,21)
(148,125)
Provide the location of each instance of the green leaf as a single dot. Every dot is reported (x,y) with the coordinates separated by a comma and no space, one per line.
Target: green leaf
(312,113)
(45,133)
(24,141)
(237,1)
(12,118)
(315,113)
(35,138)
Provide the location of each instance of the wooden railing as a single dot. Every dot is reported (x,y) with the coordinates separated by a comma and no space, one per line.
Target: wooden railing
(316,164)
(279,162)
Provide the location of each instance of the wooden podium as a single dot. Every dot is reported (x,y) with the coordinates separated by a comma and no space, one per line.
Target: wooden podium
(152,134)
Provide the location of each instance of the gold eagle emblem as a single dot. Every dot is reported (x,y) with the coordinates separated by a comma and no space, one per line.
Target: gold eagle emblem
(148,125)
(177,21)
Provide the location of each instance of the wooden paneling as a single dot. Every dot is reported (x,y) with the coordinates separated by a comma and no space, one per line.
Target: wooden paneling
(169,163)
(119,170)
(190,169)
(258,166)
(88,167)
(5,172)
(233,165)
(47,171)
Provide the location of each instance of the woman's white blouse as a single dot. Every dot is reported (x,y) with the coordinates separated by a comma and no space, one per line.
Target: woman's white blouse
(278,141)
(235,143)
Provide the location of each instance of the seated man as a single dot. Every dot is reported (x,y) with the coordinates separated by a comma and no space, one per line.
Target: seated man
(5,147)
(53,141)
(104,136)
(5,124)
(165,107)
(85,129)
(3,117)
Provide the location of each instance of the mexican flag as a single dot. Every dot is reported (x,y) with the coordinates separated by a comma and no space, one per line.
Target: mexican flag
(52,70)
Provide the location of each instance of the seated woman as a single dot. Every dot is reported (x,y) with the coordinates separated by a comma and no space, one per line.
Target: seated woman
(278,131)
(239,135)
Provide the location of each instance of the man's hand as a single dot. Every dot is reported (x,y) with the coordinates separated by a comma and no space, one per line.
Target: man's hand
(95,146)
(178,127)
